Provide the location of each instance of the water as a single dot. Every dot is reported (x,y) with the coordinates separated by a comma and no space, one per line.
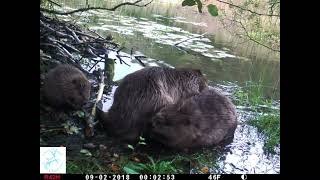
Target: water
(178,38)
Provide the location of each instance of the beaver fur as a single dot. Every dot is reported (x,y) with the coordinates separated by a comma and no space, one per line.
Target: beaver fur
(66,86)
(142,93)
(205,119)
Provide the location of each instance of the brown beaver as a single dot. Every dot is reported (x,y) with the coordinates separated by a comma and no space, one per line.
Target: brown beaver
(208,118)
(142,93)
(66,86)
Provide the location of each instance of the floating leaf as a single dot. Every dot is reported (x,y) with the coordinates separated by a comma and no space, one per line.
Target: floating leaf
(213,10)
(141,138)
(130,146)
(199,5)
(205,170)
(188,3)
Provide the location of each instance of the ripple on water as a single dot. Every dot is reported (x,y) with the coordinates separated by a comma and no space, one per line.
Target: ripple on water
(162,34)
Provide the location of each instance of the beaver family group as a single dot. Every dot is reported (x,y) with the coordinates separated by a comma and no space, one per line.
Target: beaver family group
(174,107)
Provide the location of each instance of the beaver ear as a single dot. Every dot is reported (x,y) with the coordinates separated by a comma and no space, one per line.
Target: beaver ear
(197,71)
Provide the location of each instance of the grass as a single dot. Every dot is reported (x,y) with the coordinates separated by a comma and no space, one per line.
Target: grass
(268,124)
(85,165)
(251,95)
(152,167)
(179,163)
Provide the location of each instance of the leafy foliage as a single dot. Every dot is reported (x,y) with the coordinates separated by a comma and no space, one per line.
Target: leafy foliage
(158,167)
(213,10)
(188,3)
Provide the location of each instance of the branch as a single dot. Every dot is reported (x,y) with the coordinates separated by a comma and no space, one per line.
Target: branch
(96,8)
(139,60)
(252,39)
(52,2)
(89,131)
(260,14)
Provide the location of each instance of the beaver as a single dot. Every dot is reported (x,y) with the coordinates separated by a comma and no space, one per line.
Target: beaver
(205,119)
(66,86)
(142,93)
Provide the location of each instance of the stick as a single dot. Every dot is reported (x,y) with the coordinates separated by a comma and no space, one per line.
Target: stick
(89,131)
(139,60)
(96,8)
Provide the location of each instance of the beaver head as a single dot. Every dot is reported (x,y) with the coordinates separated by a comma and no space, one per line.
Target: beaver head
(78,92)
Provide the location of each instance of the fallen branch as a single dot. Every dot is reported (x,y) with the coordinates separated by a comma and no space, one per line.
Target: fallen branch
(139,60)
(55,31)
(54,3)
(73,34)
(96,8)
(121,60)
(89,131)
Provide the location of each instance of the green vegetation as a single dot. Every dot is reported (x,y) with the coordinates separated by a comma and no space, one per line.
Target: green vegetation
(212,9)
(180,163)
(153,167)
(135,163)
(268,124)
(252,95)
(85,165)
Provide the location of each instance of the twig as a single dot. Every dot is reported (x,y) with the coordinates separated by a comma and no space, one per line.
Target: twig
(96,64)
(55,31)
(140,56)
(189,39)
(73,34)
(121,60)
(96,34)
(96,8)
(51,130)
(89,131)
(139,60)
(52,2)
(252,39)
(260,14)
(119,50)
(64,44)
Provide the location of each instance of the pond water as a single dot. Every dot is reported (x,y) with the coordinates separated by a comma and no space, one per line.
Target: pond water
(181,38)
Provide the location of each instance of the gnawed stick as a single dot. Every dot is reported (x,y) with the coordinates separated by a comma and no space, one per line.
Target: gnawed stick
(89,131)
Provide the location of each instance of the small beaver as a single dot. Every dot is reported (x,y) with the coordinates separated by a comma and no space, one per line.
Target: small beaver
(66,86)
(142,93)
(205,119)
